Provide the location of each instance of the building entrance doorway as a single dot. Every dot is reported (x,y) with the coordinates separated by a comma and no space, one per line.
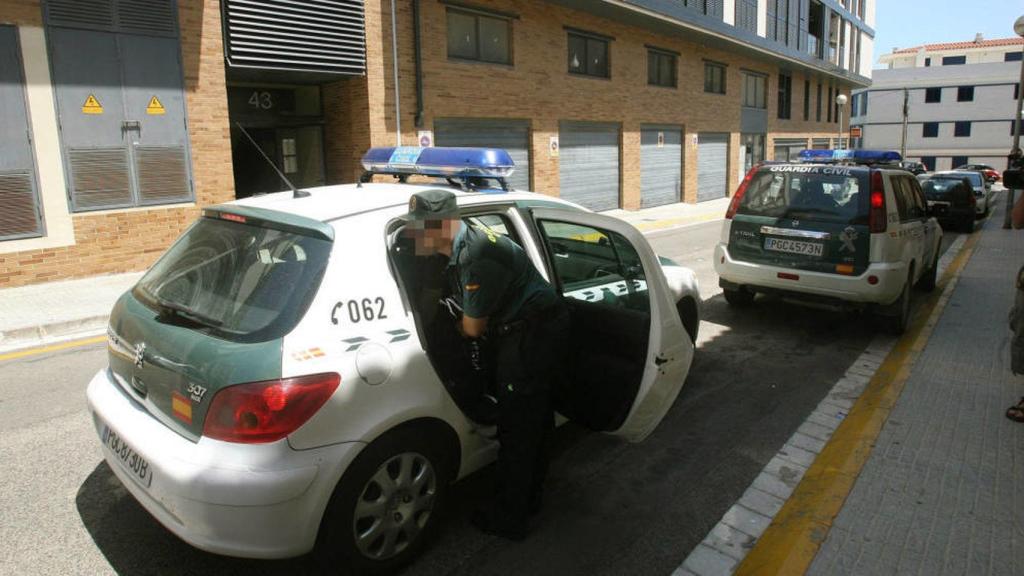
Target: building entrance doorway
(287,125)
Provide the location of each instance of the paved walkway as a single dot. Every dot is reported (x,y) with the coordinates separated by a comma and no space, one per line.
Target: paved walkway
(52,312)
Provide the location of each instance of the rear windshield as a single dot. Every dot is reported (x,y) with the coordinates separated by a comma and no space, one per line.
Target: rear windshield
(829,194)
(236,281)
(937,187)
(975,178)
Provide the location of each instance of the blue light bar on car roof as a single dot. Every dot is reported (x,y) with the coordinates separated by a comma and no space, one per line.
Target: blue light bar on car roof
(439,161)
(852,156)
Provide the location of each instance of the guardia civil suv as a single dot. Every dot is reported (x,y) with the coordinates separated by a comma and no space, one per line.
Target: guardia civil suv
(841,227)
(288,376)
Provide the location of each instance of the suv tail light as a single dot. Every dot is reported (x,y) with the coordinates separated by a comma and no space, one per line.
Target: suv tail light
(878,216)
(738,196)
(267,411)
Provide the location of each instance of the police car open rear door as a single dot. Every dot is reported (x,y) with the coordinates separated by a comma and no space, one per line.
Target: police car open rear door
(629,351)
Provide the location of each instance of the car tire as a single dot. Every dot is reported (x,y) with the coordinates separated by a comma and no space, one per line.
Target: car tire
(393,528)
(738,298)
(898,322)
(928,281)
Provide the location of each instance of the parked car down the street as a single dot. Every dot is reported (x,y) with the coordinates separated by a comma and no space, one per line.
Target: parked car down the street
(915,168)
(845,227)
(990,173)
(283,380)
(951,200)
(982,188)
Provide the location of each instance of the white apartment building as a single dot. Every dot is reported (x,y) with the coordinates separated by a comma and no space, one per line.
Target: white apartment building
(960,99)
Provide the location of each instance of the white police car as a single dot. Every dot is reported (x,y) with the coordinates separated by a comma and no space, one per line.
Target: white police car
(843,226)
(286,378)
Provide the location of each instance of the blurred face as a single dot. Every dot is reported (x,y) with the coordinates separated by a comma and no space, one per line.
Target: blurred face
(433,236)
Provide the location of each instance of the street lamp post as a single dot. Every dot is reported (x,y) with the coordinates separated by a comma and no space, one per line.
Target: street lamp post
(1018,27)
(841,101)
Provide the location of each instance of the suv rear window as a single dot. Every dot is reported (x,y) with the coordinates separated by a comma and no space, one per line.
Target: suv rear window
(236,281)
(825,193)
(939,188)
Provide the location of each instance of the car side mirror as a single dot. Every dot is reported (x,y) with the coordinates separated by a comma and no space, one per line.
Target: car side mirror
(1013,179)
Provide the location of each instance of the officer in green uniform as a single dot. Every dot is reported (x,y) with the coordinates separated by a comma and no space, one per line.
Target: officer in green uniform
(505,299)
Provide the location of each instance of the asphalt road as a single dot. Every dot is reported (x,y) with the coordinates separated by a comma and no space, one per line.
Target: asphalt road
(610,507)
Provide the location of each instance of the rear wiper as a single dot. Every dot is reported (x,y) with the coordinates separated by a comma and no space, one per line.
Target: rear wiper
(180,310)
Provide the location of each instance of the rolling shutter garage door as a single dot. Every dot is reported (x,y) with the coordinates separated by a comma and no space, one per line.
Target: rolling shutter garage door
(589,164)
(712,166)
(512,135)
(661,163)
(19,208)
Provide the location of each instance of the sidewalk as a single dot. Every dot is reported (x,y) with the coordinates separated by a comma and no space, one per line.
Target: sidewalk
(42,314)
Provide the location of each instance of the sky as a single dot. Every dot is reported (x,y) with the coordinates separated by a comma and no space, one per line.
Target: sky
(907,23)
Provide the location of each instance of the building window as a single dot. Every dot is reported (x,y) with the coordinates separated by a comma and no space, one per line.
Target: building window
(929,162)
(959,161)
(785,96)
(746,15)
(474,36)
(1016,91)
(965,94)
(588,55)
(932,95)
(864,103)
(1012,56)
(714,78)
(817,115)
(953,60)
(807,99)
(853,105)
(816,30)
(927,62)
(661,68)
(830,104)
(754,89)
(930,130)
(962,129)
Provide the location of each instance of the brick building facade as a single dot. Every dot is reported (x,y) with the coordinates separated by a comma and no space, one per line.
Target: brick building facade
(533,86)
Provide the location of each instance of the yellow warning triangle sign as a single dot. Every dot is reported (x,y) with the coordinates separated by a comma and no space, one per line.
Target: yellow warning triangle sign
(92,106)
(155,107)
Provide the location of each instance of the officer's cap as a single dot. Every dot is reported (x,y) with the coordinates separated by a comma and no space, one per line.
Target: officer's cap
(434,204)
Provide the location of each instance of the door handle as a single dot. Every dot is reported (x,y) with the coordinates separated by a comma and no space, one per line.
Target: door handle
(129,125)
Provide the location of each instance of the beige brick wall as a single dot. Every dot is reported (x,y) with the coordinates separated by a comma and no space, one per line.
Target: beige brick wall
(130,240)
(537,87)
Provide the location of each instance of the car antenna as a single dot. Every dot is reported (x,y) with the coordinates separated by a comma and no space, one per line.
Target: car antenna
(296,193)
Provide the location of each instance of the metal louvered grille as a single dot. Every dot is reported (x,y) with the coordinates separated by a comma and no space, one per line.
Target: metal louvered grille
(99,177)
(90,14)
(18,217)
(149,17)
(311,36)
(746,15)
(162,173)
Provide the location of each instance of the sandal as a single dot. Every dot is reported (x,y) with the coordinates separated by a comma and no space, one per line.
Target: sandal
(1016,412)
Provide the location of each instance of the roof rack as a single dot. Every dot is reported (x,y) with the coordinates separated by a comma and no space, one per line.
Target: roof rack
(465,168)
(862,157)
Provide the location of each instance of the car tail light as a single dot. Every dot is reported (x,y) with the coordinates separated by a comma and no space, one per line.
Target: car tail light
(738,196)
(873,280)
(267,411)
(878,213)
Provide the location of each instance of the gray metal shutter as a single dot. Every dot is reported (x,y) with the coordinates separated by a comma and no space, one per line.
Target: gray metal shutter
(19,204)
(512,135)
(820,143)
(661,163)
(121,58)
(312,36)
(589,164)
(712,166)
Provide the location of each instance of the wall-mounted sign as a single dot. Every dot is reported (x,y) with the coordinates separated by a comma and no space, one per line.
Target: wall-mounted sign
(855,132)
(426,138)
(155,107)
(249,101)
(92,106)
(694,141)
(553,147)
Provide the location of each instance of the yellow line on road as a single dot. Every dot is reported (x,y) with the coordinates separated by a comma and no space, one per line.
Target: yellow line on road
(791,542)
(52,348)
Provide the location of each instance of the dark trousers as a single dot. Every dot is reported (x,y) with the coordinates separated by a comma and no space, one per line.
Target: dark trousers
(528,357)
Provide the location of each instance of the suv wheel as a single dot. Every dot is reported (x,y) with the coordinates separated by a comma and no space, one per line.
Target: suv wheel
(927,282)
(738,298)
(385,505)
(901,319)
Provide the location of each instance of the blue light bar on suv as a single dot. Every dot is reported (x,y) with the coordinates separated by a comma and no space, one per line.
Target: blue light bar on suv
(439,161)
(851,156)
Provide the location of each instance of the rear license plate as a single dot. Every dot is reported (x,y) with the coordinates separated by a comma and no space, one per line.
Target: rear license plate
(136,466)
(794,246)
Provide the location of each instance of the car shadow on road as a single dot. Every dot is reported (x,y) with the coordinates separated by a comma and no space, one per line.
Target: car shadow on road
(133,542)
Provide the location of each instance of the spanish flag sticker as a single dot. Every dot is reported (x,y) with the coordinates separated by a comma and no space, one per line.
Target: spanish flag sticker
(182,407)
